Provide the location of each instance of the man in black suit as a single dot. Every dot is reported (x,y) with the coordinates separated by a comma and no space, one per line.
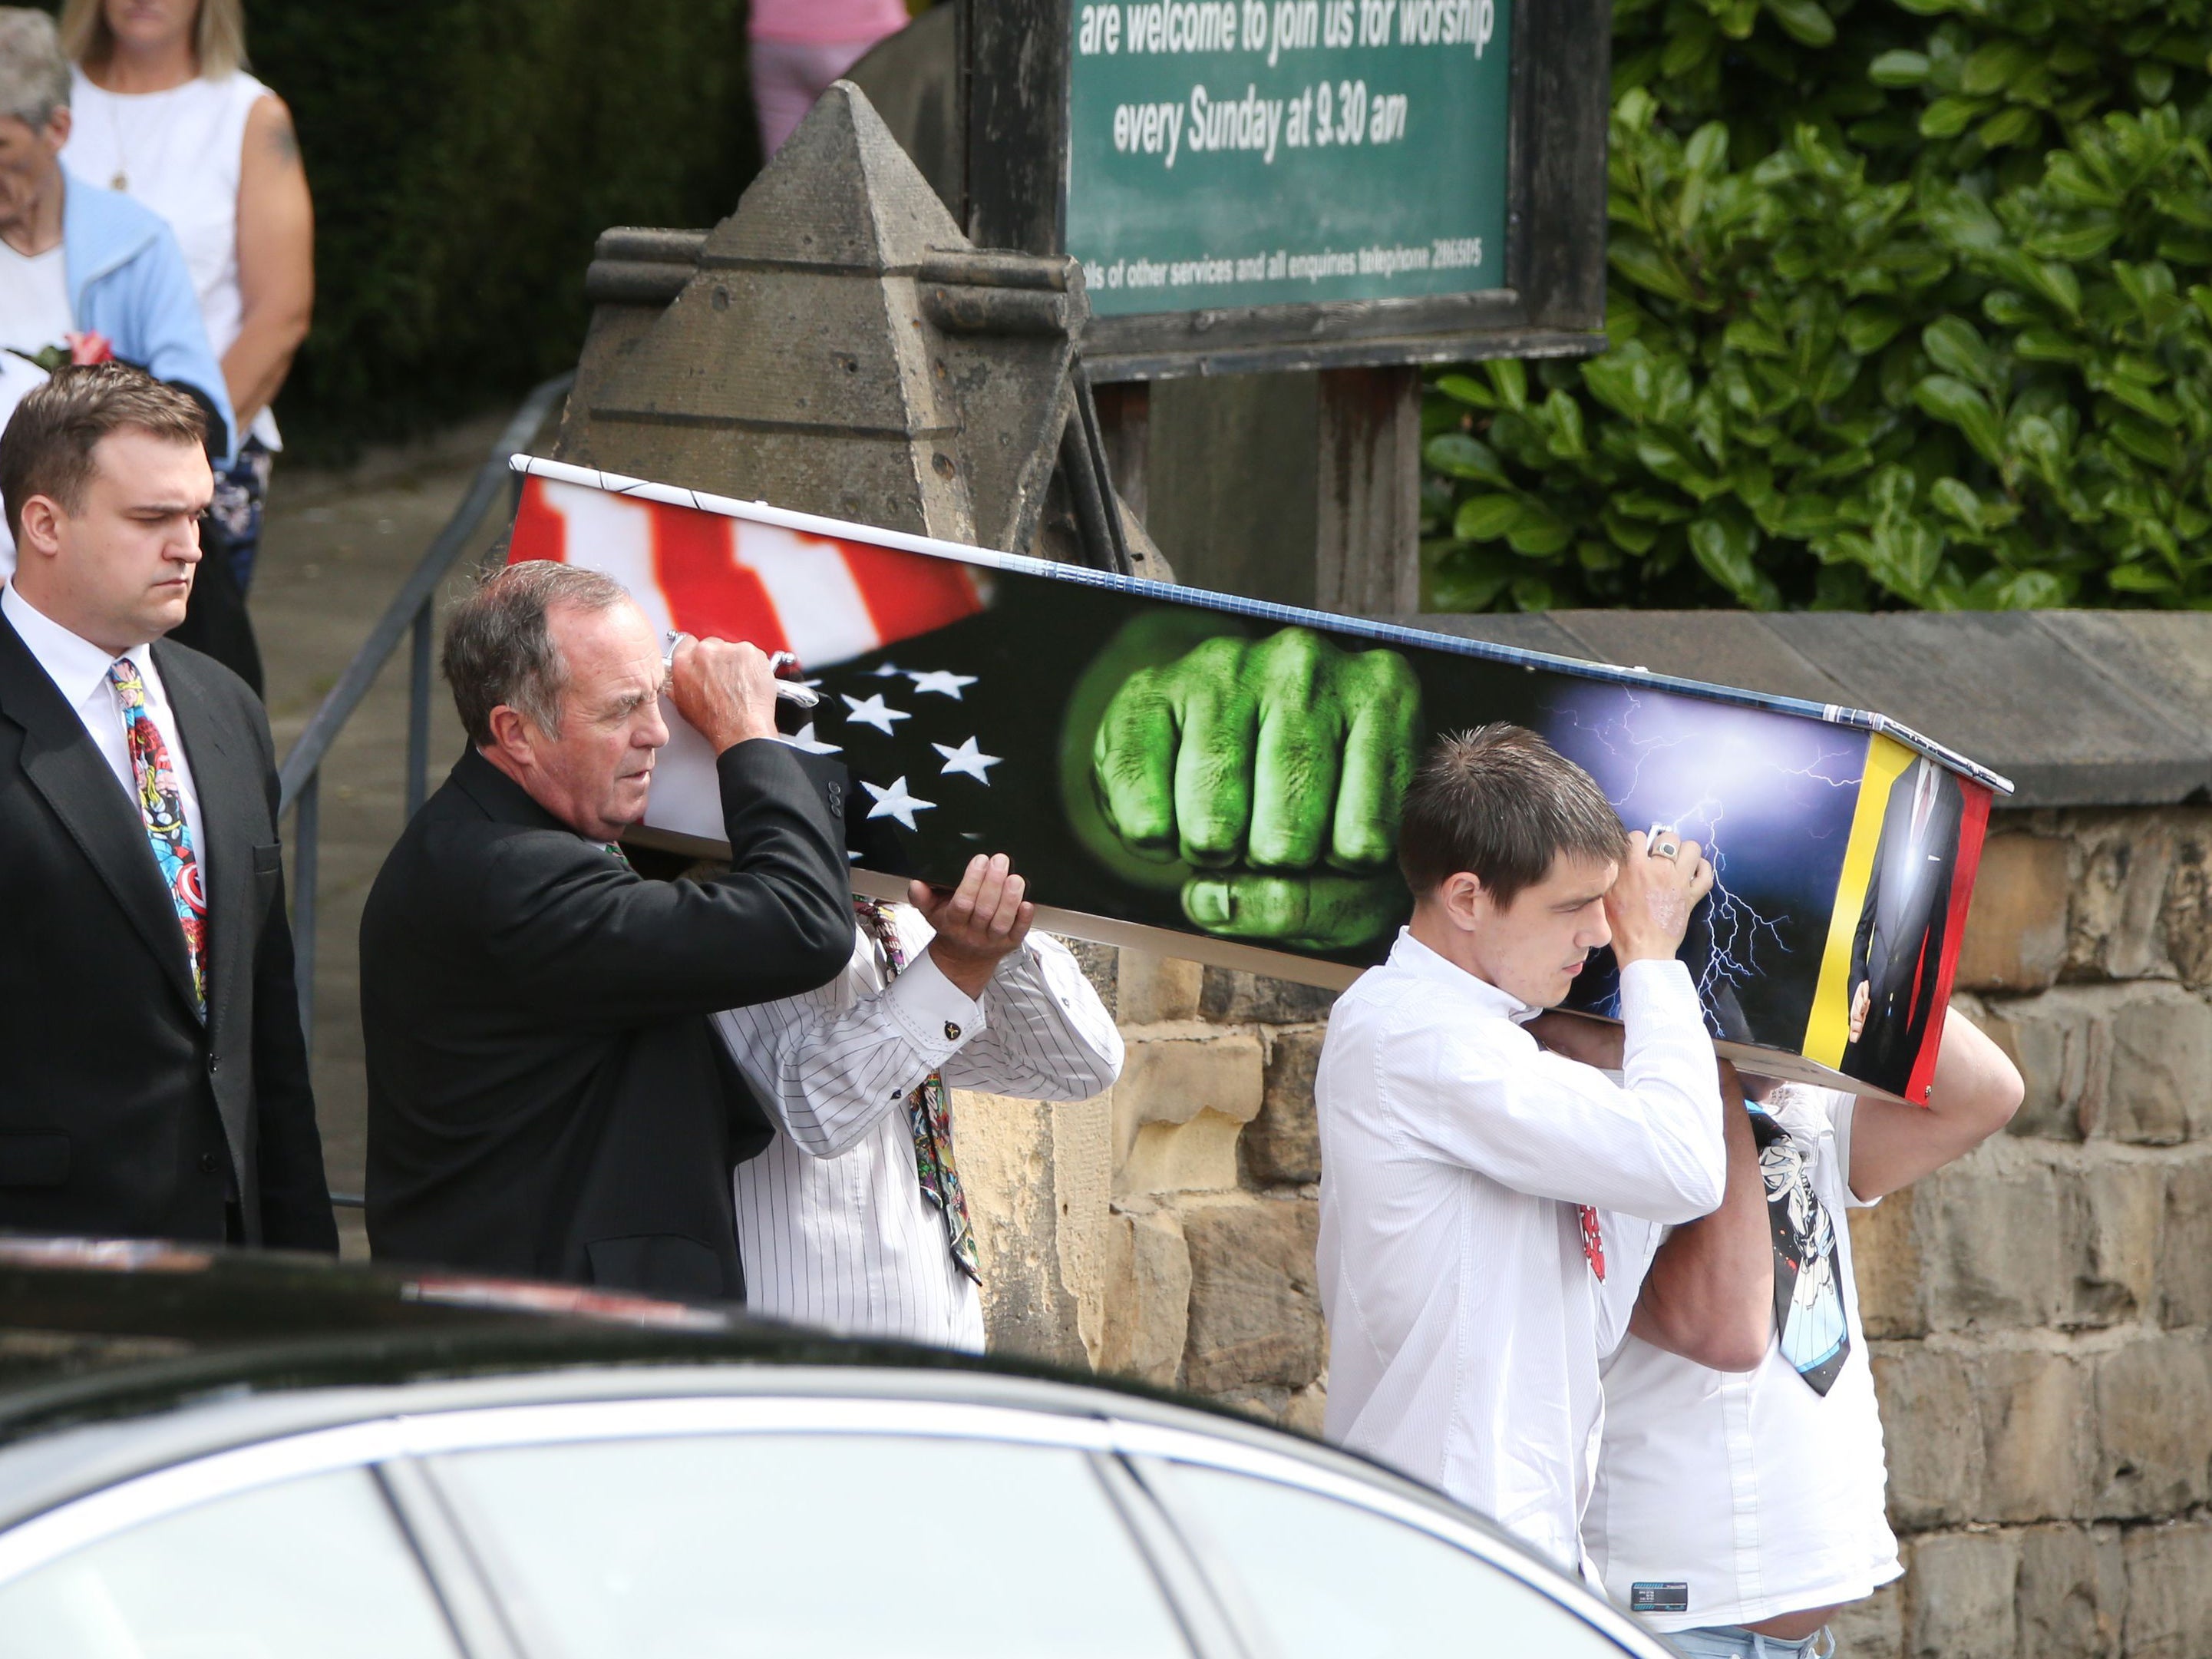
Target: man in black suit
(1898,950)
(546,1093)
(155,1082)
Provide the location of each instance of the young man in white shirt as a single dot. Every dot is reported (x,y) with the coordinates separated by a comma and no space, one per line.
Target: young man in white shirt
(1738,1513)
(1464,1167)
(854,1217)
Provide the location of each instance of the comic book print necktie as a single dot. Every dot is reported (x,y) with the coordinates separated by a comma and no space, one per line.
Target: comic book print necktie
(1809,1298)
(161,804)
(928,1114)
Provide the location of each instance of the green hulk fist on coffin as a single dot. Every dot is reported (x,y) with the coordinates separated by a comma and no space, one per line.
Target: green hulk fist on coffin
(1262,777)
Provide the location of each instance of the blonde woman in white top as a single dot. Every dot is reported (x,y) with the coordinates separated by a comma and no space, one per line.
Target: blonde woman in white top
(166,113)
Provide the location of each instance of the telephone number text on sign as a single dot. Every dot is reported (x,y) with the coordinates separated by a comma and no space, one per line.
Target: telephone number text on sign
(1446,253)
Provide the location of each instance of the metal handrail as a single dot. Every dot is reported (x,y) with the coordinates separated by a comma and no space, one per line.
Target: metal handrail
(300,777)
(411,604)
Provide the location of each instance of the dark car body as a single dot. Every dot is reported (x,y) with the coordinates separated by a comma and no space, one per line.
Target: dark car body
(205,1454)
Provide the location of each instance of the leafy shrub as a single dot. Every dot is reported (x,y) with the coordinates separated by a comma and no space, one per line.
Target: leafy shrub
(1907,307)
(464,155)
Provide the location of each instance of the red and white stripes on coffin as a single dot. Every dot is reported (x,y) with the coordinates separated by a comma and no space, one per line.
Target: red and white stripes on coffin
(824,600)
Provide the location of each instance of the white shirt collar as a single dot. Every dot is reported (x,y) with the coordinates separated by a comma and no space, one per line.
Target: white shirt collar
(75,664)
(1411,955)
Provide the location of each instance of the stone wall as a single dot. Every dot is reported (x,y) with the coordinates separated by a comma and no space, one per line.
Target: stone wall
(2038,1312)
(1166,1232)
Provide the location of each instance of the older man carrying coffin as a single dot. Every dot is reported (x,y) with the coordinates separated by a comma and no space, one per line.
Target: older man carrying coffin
(547,1094)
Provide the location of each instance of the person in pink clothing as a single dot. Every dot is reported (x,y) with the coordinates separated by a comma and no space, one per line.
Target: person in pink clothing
(799,46)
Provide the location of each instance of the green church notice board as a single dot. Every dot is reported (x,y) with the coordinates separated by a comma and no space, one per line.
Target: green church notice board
(1231,154)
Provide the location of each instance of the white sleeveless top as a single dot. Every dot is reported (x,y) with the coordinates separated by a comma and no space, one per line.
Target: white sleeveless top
(178,152)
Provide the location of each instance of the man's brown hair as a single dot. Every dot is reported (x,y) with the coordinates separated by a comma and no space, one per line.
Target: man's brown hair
(47,447)
(1501,804)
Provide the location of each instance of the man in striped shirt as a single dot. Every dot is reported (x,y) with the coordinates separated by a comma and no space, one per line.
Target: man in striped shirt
(854,1216)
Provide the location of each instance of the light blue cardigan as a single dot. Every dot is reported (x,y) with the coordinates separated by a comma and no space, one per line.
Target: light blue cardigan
(127,281)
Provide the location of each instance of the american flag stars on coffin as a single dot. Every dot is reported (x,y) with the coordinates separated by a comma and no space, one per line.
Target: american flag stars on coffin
(897,800)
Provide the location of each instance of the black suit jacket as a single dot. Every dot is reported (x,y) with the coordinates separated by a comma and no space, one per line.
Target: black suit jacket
(120,1113)
(546,1092)
(1904,927)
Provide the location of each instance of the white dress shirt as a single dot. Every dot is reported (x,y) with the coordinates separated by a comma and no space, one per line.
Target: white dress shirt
(79,669)
(1745,1496)
(832,1224)
(1455,1151)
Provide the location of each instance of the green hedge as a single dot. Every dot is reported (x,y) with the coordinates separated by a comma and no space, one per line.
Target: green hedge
(1909,306)
(464,154)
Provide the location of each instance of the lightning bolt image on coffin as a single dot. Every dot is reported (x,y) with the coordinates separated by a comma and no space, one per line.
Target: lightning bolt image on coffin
(1220,779)
(1768,804)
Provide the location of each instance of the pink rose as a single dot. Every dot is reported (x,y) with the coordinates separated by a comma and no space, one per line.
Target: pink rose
(90,347)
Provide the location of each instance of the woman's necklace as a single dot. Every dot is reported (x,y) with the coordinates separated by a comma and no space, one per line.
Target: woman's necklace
(121,182)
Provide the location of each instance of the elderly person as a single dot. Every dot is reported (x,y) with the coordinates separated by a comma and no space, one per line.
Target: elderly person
(165,114)
(547,1094)
(85,273)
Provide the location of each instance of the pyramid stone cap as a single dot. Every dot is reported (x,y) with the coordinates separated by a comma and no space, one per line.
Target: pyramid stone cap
(840,193)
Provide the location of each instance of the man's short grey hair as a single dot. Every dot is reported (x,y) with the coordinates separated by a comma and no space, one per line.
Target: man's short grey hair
(34,77)
(499,650)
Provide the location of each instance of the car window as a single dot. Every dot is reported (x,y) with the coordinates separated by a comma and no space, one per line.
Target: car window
(316,1565)
(810,1547)
(1323,1577)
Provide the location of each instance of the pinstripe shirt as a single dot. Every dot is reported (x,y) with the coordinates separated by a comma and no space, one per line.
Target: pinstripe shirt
(832,1224)
(1463,1322)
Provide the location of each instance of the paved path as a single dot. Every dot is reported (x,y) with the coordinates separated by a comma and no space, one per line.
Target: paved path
(336,549)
